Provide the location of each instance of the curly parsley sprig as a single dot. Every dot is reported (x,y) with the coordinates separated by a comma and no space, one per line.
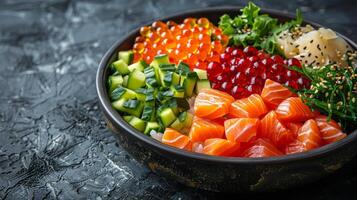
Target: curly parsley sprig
(253,28)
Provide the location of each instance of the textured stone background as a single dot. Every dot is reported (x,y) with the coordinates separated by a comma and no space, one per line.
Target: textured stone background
(53,141)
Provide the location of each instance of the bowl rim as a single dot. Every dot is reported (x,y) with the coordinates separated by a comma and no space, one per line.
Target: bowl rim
(115,117)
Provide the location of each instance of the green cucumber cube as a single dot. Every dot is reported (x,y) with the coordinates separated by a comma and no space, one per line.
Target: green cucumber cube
(121,67)
(126,56)
(136,80)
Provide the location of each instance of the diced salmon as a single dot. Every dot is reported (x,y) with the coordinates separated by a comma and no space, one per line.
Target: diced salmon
(174,138)
(212,104)
(261,148)
(293,127)
(295,147)
(220,120)
(330,130)
(293,110)
(274,93)
(202,129)
(220,147)
(309,135)
(271,127)
(250,107)
(241,129)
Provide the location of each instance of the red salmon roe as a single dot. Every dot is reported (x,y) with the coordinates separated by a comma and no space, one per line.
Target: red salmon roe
(242,72)
(196,42)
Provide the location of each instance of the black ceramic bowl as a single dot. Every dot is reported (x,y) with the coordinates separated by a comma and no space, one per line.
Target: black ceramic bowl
(220,173)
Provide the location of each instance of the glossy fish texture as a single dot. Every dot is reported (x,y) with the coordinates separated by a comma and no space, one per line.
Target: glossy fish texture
(261,148)
(220,147)
(294,127)
(241,129)
(272,128)
(176,139)
(250,107)
(309,135)
(203,129)
(295,147)
(212,104)
(293,109)
(330,130)
(274,93)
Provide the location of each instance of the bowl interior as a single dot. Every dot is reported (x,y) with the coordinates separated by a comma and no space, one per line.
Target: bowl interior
(213,14)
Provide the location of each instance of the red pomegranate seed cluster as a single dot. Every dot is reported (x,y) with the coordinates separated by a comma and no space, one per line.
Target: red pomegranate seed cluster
(242,72)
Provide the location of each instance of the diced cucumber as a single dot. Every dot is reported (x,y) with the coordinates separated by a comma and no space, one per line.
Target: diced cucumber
(188,120)
(160,59)
(153,97)
(178,91)
(136,80)
(141,65)
(201,84)
(177,125)
(169,78)
(131,103)
(166,72)
(137,123)
(167,67)
(167,93)
(184,120)
(122,93)
(166,78)
(202,74)
(127,118)
(183,68)
(167,116)
(125,80)
(151,126)
(148,113)
(172,103)
(188,82)
(152,77)
(121,67)
(175,79)
(141,94)
(126,56)
(114,82)
(123,106)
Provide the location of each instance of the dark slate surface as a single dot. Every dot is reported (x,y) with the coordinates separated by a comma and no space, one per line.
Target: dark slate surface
(53,140)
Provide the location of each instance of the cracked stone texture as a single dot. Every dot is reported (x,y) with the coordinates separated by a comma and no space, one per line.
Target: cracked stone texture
(54,143)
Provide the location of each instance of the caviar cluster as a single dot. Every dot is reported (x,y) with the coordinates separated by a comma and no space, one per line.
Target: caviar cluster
(195,42)
(242,72)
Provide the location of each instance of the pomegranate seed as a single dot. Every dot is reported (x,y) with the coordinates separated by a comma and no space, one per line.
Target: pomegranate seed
(267,62)
(243,72)
(221,78)
(226,85)
(238,53)
(294,62)
(253,58)
(233,68)
(244,64)
(250,51)
(229,50)
(213,69)
(216,86)
(278,59)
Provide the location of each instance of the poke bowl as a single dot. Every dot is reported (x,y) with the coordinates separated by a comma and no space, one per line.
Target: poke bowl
(249,141)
